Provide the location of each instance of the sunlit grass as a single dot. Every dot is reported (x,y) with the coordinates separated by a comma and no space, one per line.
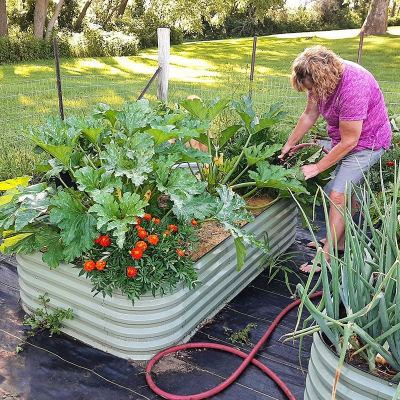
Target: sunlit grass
(208,69)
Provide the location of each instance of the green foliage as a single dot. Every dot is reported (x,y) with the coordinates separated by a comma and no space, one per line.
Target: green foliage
(107,170)
(360,306)
(43,318)
(115,215)
(77,226)
(241,336)
(160,269)
(22,46)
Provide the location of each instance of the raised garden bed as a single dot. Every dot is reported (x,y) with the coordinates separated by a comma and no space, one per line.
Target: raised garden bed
(153,323)
(354,384)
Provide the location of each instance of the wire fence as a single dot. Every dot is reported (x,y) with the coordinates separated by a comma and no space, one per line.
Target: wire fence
(28,104)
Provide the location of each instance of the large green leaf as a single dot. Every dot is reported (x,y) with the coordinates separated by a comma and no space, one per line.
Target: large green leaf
(132,158)
(61,152)
(227,134)
(260,152)
(91,127)
(203,112)
(199,207)
(25,206)
(103,111)
(241,252)
(56,137)
(116,215)
(245,110)
(33,202)
(180,185)
(276,177)
(96,181)
(77,225)
(135,116)
(163,166)
(251,122)
(162,134)
(188,154)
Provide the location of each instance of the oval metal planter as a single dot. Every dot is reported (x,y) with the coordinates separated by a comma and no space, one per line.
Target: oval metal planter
(138,332)
(354,384)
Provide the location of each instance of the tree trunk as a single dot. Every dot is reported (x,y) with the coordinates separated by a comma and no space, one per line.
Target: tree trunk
(39,18)
(3,18)
(122,8)
(53,19)
(377,19)
(81,16)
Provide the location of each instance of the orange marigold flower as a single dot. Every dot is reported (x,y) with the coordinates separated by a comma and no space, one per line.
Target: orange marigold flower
(89,265)
(103,240)
(147,217)
(100,265)
(131,272)
(153,239)
(141,245)
(156,220)
(180,252)
(142,233)
(136,253)
(173,228)
(194,222)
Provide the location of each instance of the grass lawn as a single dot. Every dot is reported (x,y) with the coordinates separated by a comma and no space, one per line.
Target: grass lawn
(209,69)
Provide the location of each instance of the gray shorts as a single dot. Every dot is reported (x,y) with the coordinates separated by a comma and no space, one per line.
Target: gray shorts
(352,169)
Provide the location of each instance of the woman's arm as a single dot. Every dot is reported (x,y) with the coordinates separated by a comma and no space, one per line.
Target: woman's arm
(306,121)
(350,132)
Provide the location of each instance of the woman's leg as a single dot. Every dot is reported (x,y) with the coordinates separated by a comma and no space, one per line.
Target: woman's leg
(336,227)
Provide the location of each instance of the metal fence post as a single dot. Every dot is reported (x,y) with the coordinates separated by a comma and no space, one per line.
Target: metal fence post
(163,35)
(253,63)
(58,78)
(360,47)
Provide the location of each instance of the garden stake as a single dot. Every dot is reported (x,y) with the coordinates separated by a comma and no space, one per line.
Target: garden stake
(247,359)
(58,78)
(253,63)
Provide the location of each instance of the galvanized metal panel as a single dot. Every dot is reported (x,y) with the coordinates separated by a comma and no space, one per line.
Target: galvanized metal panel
(354,384)
(153,323)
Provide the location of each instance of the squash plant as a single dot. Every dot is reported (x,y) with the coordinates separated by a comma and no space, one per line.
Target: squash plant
(112,167)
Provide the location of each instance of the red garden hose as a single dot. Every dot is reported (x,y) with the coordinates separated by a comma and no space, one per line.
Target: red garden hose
(248,358)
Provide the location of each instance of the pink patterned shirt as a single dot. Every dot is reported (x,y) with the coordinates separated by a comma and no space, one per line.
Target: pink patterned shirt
(358,97)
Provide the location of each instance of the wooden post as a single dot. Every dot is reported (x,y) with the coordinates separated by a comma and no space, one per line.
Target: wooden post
(253,64)
(360,47)
(163,35)
(58,78)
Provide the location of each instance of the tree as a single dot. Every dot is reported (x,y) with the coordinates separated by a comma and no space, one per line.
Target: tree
(376,22)
(39,18)
(122,8)
(81,16)
(3,18)
(53,19)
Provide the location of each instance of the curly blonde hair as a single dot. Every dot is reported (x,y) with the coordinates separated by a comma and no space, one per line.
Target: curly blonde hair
(322,67)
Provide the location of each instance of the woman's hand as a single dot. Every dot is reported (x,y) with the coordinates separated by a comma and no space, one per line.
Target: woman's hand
(310,171)
(285,150)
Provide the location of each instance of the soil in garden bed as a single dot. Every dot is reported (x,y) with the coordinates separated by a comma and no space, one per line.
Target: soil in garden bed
(212,233)
(382,370)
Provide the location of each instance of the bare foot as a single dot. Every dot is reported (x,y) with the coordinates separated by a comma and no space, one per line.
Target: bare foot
(307,268)
(312,245)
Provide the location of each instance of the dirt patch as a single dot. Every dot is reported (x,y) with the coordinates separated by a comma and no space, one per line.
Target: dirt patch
(212,233)
(172,363)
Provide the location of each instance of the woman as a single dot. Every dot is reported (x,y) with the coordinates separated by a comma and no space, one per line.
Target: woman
(350,100)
